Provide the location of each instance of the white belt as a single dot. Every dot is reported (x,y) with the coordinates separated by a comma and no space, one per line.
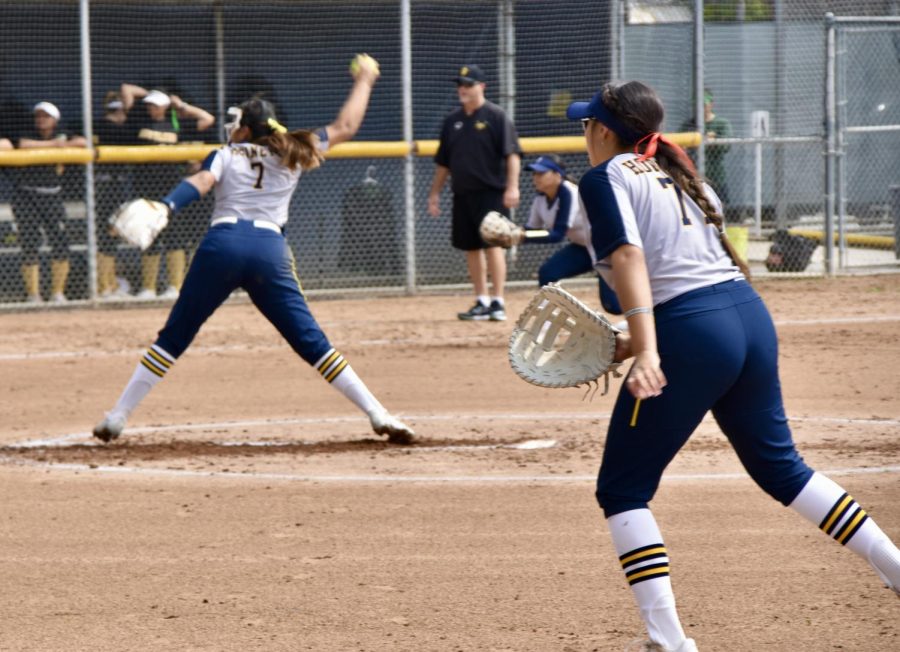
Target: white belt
(259,224)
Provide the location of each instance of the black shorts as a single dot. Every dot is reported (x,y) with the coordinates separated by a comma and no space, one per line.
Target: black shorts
(469,208)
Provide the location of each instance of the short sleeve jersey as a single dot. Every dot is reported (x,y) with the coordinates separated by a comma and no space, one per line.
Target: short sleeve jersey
(107,132)
(475,147)
(563,217)
(635,202)
(252,183)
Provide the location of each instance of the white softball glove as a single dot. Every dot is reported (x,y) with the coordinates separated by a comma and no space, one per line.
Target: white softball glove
(139,221)
(558,341)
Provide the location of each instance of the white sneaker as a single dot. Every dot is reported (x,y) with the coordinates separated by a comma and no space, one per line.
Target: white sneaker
(885,559)
(59,297)
(146,293)
(170,293)
(110,428)
(34,298)
(384,423)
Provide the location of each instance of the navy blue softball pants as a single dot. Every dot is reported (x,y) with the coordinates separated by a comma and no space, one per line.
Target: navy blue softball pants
(719,352)
(258,260)
(574,260)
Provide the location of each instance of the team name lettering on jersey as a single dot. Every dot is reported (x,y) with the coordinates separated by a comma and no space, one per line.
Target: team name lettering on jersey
(642,167)
(250,151)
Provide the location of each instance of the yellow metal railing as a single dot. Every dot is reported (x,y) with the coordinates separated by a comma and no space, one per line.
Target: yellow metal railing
(364,149)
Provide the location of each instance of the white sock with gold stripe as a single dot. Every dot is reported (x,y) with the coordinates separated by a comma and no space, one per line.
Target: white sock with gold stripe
(833,510)
(337,371)
(150,370)
(644,559)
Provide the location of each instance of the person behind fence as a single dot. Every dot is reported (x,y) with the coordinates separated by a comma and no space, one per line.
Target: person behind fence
(702,340)
(38,204)
(254,177)
(715,126)
(112,188)
(556,215)
(479,151)
(161,125)
(5,144)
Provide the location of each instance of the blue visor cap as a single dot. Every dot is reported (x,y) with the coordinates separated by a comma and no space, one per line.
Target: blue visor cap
(596,110)
(545,164)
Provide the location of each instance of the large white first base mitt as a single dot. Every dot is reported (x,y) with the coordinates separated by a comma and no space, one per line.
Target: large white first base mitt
(558,341)
(139,221)
(499,231)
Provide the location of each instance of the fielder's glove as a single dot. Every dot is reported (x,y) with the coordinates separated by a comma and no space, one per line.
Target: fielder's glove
(499,231)
(560,342)
(139,221)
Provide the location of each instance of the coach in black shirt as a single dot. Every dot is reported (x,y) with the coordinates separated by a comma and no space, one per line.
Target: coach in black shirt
(479,151)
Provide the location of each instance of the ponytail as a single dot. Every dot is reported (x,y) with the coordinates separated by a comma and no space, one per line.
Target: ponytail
(296,148)
(677,165)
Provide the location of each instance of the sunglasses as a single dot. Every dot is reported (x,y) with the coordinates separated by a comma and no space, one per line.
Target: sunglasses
(465,84)
(585,122)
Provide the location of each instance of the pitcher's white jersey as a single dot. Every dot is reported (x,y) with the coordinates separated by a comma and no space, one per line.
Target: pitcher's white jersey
(252,183)
(636,202)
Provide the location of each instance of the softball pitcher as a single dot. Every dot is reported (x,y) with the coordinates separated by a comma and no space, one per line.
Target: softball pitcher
(254,177)
(701,339)
(556,215)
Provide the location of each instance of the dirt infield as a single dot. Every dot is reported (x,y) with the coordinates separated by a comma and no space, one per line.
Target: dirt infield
(249,507)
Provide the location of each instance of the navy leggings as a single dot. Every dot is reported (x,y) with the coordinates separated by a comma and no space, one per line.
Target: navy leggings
(719,352)
(574,260)
(258,260)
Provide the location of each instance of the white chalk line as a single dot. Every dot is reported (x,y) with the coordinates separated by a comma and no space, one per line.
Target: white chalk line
(385,342)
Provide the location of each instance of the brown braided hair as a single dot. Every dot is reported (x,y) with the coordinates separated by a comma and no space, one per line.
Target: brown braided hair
(639,107)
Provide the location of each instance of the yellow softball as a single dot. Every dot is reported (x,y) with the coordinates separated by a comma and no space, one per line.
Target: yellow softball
(361,62)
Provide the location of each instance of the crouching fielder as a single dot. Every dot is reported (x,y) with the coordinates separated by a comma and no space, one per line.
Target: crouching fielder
(701,339)
(254,177)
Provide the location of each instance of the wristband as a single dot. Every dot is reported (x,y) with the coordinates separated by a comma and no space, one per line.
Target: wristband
(182,195)
(637,311)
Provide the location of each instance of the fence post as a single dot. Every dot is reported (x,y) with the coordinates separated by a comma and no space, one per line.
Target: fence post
(409,171)
(219,19)
(830,118)
(699,113)
(88,124)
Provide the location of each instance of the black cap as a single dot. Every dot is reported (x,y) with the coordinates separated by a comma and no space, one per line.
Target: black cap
(256,114)
(470,74)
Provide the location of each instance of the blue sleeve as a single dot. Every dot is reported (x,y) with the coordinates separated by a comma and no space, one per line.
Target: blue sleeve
(208,161)
(599,199)
(181,195)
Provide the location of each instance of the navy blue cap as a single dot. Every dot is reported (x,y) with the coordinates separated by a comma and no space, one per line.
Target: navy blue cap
(596,110)
(546,164)
(470,74)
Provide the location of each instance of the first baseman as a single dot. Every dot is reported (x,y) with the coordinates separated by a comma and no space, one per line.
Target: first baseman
(702,340)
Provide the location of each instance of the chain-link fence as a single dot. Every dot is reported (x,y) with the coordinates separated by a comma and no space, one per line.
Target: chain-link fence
(760,68)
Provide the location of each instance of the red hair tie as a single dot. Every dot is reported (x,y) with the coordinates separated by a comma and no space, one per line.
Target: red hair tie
(654,138)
